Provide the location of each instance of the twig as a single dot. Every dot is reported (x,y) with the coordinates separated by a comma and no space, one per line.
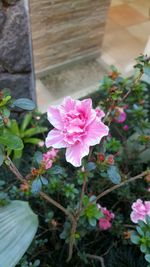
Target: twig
(82,194)
(109,190)
(95,257)
(106,192)
(19,176)
(74,224)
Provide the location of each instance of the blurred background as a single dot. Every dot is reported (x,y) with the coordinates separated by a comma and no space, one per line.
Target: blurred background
(75,42)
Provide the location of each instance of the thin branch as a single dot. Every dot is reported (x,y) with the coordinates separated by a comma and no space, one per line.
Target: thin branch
(95,257)
(82,194)
(19,176)
(109,190)
(106,192)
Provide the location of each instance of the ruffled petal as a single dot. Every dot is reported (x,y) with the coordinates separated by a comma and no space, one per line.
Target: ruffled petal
(96,130)
(54,117)
(68,104)
(55,139)
(85,107)
(75,153)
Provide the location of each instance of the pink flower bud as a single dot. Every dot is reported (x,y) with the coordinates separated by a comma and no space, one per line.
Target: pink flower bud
(126,127)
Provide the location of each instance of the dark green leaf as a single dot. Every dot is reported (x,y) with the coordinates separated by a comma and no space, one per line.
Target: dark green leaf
(135,239)
(36,186)
(24,103)
(114,175)
(90,166)
(143,248)
(38,157)
(147,70)
(147,257)
(1,156)
(92,221)
(43,180)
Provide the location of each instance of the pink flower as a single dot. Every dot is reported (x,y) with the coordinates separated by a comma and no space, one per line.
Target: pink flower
(77,127)
(120,115)
(49,157)
(105,222)
(126,127)
(140,210)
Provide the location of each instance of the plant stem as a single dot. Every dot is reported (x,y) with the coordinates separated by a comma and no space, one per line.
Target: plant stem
(82,194)
(95,257)
(74,224)
(56,204)
(19,176)
(109,190)
(106,192)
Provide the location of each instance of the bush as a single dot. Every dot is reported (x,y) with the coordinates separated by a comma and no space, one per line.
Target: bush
(92,198)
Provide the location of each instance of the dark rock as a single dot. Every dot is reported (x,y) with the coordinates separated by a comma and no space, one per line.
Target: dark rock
(11,2)
(19,84)
(15,49)
(2,19)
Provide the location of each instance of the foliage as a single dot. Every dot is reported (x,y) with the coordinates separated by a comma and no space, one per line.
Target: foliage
(68,200)
(141,237)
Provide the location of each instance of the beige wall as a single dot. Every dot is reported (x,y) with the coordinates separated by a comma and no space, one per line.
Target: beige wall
(64,31)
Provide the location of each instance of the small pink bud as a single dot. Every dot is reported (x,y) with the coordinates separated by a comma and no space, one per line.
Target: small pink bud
(126,127)
(110,160)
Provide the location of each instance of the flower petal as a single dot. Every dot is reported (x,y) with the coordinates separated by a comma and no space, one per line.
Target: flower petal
(55,139)
(96,130)
(85,107)
(54,117)
(68,104)
(75,153)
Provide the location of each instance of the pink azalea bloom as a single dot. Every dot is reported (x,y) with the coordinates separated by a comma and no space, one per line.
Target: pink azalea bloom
(120,115)
(77,127)
(140,210)
(105,223)
(49,157)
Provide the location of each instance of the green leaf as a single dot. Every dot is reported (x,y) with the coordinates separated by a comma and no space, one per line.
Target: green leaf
(36,186)
(147,70)
(114,175)
(26,121)
(18,154)
(18,225)
(140,231)
(43,180)
(143,248)
(6,112)
(1,156)
(34,141)
(90,166)
(147,257)
(34,131)
(11,141)
(14,127)
(135,239)
(92,221)
(38,157)
(24,103)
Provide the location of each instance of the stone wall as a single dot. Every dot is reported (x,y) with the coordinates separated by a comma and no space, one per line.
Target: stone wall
(16,70)
(66,30)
